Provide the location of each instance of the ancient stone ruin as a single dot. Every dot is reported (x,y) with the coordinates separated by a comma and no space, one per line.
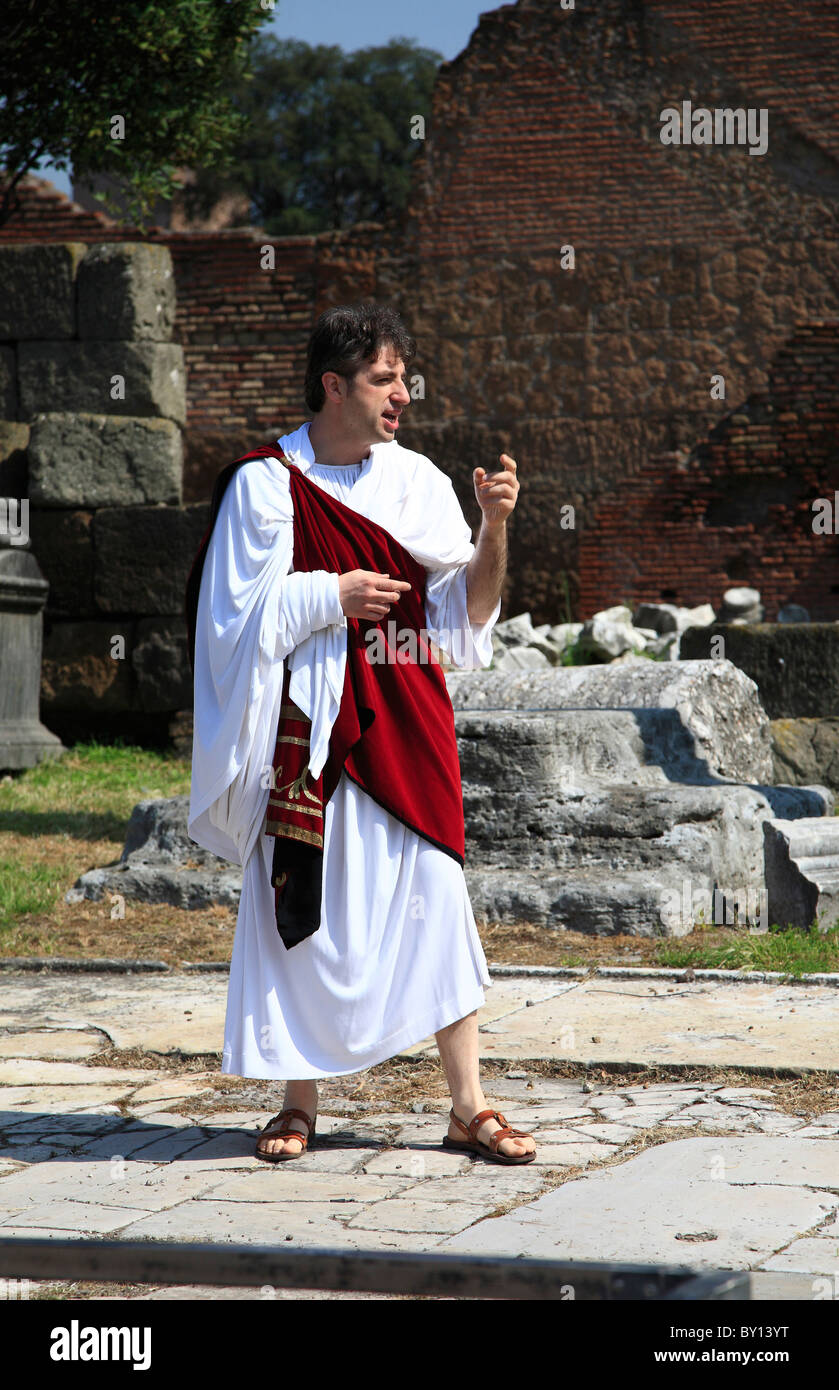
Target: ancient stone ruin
(605,799)
(92,399)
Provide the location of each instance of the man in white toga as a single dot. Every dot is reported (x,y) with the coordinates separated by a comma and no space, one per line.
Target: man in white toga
(396,956)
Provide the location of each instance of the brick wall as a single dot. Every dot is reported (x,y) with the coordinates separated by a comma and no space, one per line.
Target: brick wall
(691,261)
(739,507)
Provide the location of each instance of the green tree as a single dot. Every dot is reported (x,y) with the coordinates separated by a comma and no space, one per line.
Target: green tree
(167,67)
(328,139)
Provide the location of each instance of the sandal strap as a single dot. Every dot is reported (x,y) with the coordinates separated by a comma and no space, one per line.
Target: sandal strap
(478,1120)
(475,1123)
(290,1113)
(505,1132)
(288,1134)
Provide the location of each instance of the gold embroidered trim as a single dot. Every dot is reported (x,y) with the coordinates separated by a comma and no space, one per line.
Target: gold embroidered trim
(295,713)
(295,832)
(304,811)
(294,789)
(292,738)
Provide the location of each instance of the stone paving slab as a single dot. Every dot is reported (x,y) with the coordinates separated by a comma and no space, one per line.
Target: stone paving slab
(175,1087)
(28,1071)
(209,1187)
(74,1218)
(645,1020)
(88,1150)
(161,1013)
(52,1043)
(280,1183)
(179,1012)
(650,1022)
(505,998)
(742,1200)
(810,1255)
(35,1100)
(431,1217)
(259,1223)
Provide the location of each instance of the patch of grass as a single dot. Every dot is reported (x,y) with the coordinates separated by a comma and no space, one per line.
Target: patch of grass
(43,1289)
(794,950)
(70,814)
(90,791)
(575,655)
(150,931)
(791,950)
(33,888)
(85,796)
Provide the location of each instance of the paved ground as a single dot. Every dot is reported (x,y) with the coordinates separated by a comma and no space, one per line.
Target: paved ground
(644,1017)
(680,1172)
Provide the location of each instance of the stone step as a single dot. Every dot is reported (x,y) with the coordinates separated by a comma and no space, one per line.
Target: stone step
(569,752)
(598,900)
(802,871)
(692,832)
(825,867)
(818,835)
(559,747)
(715,702)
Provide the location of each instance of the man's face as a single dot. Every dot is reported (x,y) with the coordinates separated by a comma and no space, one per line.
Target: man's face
(376,398)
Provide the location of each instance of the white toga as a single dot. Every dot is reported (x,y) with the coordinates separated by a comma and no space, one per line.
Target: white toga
(397,955)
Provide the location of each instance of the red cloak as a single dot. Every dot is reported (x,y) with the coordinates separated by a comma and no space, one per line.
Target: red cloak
(394,734)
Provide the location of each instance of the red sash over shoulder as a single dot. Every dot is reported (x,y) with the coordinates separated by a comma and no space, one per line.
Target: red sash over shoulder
(394,734)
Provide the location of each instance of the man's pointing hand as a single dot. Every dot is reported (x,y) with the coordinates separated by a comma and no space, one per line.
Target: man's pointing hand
(497,491)
(365,594)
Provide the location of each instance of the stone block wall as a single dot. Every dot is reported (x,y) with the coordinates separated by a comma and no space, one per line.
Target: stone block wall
(246,304)
(94,403)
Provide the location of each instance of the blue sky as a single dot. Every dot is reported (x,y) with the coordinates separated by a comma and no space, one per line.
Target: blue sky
(445,25)
(442,24)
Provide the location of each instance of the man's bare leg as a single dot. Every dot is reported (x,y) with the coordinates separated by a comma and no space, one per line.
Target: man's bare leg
(299,1095)
(458,1044)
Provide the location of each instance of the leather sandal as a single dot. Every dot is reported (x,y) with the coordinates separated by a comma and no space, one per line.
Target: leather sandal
(278,1128)
(475,1145)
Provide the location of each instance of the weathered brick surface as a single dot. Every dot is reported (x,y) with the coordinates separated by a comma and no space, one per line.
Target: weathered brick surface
(738,508)
(689,261)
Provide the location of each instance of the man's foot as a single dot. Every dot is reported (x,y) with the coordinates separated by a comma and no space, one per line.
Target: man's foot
(510,1147)
(299,1096)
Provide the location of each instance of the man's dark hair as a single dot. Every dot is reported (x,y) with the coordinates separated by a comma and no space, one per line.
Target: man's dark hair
(347,336)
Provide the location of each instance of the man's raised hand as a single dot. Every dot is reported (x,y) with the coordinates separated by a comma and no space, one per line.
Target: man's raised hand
(365,594)
(497,491)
